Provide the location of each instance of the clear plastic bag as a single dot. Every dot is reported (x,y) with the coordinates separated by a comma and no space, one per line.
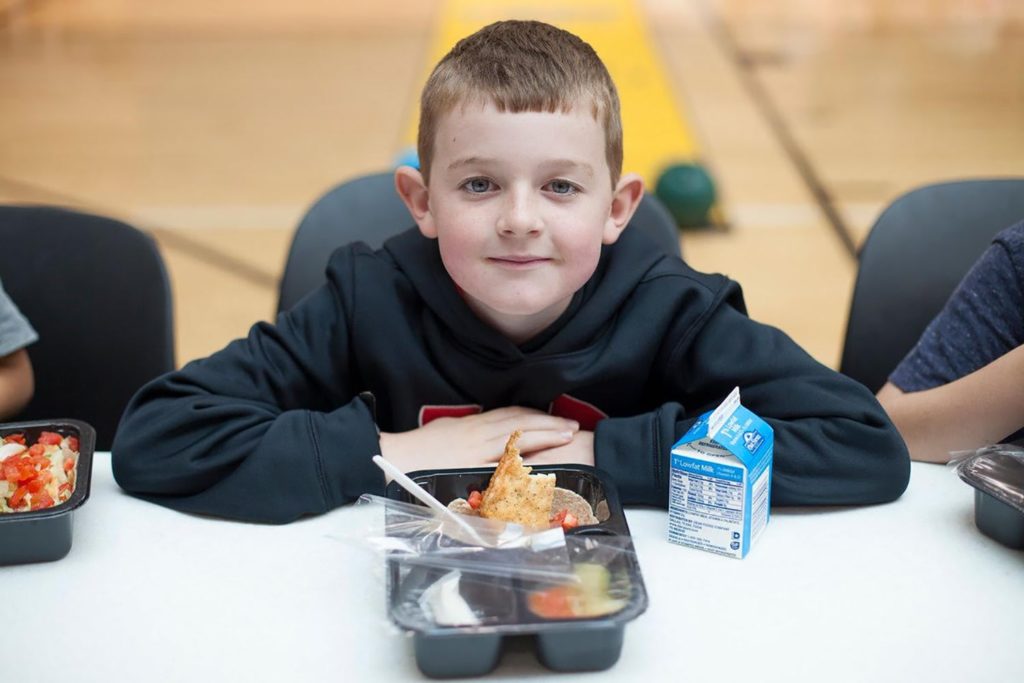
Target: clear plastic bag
(414,535)
(602,584)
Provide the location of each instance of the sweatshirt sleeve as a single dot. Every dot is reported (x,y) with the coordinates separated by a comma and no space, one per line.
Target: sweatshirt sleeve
(982,321)
(269,429)
(834,444)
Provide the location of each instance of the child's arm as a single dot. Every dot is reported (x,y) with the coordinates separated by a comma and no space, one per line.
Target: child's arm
(977,409)
(262,430)
(16,382)
(962,384)
(833,442)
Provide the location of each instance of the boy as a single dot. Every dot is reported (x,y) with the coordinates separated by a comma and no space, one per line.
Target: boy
(17,383)
(520,302)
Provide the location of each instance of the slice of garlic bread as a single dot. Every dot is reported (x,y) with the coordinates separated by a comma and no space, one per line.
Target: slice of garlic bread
(514,495)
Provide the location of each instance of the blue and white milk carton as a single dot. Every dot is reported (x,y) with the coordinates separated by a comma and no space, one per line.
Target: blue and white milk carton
(720,481)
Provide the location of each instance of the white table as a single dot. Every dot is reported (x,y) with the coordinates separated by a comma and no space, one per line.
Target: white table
(904,592)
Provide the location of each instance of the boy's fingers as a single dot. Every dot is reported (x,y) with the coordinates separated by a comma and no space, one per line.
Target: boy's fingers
(530,422)
(509,412)
(541,439)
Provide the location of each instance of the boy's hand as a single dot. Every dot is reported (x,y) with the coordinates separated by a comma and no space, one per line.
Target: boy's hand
(478,440)
(578,451)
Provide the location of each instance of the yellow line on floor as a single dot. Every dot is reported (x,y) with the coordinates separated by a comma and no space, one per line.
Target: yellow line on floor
(654,123)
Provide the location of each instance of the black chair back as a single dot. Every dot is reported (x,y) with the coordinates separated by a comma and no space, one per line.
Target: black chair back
(915,255)
(97,292)
(368,209)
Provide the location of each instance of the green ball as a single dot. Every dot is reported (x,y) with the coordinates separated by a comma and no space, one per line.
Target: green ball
(688,193)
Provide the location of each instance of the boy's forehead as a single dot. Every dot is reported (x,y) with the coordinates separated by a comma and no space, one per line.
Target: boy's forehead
(485,114)
(480,133)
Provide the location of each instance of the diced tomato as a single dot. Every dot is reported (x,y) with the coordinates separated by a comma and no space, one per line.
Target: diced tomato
(73,443)
(19,494)
(565,519)
(41,500)
(26,472)
(50,438)
(551,604)
(30,471)
(475,498)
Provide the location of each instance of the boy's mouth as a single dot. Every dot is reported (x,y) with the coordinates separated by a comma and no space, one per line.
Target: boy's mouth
(518,262)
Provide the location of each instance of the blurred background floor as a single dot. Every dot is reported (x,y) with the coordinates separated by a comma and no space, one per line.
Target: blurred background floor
(214,126)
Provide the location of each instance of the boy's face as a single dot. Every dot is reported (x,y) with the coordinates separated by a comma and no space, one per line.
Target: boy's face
(520,204)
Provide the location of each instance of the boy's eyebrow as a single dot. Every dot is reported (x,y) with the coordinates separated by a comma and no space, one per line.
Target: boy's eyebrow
(470,161)
(553,163)
(571,163)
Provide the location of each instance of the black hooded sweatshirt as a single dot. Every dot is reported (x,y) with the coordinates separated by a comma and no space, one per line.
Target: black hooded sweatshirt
(284,422)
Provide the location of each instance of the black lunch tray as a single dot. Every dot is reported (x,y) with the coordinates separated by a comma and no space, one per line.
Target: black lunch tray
(45,535)
(578,644)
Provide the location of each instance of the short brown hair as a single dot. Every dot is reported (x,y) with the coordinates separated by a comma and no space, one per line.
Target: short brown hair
(521,66)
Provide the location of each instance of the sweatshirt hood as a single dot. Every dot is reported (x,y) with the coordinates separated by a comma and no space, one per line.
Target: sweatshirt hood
(592,308)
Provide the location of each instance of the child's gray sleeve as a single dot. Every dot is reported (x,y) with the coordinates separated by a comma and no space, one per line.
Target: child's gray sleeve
(15,331)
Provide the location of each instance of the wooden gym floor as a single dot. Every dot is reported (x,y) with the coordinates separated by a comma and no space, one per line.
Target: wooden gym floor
(214,125)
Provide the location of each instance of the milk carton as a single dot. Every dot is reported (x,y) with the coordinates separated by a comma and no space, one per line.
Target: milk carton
(721,480)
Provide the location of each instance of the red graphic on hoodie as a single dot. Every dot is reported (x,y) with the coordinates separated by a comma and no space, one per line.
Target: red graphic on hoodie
(431,413)
(586,414)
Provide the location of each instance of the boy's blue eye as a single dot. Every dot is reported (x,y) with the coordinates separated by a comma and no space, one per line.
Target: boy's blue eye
(562,187)
(477,185)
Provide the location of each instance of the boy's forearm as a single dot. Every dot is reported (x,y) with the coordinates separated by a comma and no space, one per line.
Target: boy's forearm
(244,460)
(842,459)
(975,410)
(17,384)
(834,444)
(252,432)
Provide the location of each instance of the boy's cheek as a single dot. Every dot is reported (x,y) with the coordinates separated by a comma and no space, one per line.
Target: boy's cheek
(455,256)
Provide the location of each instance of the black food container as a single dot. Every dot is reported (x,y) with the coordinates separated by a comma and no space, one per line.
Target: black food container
(997,475)
(45,535)
(504,606)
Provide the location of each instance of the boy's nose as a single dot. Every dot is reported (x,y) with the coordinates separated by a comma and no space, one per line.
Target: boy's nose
(519,216)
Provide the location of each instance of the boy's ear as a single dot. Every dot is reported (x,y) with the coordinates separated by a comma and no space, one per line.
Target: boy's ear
(413,191)
(628,193)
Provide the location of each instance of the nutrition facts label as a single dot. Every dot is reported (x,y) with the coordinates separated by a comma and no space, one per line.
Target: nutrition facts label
(708,497)
(720,481)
